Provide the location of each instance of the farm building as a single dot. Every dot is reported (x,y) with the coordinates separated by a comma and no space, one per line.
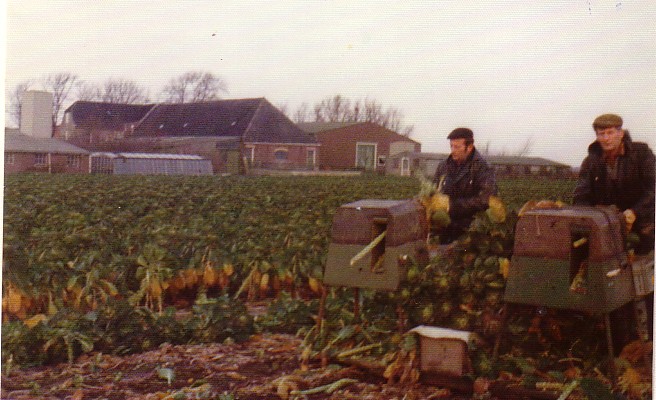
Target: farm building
(234,135)
(407,163)
(25,153)
(357,145)
(149,164)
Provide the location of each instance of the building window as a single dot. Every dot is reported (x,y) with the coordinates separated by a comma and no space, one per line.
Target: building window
(10,158)
(365,155)
(73,161)
(280,154)
(40,159)
(381,161)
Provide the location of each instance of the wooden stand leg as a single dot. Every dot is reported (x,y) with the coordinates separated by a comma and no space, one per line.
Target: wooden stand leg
(504,320)
(641,319)
(611,352)
(322,308)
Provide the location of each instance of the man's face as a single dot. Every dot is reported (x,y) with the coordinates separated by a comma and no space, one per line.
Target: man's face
(610,139)
(460,150)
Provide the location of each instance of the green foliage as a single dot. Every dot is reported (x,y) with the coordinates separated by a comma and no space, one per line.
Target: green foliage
(219,319)
(118,327)
(517,191)
(288,315)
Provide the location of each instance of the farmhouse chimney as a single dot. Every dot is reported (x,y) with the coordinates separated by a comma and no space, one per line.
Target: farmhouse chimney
(36,114)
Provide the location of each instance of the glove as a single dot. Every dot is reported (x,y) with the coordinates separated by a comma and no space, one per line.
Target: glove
(629,219)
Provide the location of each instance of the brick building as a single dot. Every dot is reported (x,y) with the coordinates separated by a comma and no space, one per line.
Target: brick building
(357,145)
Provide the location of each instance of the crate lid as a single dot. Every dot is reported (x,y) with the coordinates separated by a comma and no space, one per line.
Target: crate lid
(435,332)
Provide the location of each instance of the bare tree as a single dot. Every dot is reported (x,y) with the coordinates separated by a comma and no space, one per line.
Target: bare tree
(15,104)
(338,109)
(60,85)
(302,113)
(88,92)
(334,109)
(121,91)
(193,87)
(525,150)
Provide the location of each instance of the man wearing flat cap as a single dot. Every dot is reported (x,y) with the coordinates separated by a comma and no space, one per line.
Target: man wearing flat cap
(468,181)
(620,172)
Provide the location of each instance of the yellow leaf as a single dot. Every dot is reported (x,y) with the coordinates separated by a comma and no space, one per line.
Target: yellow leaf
(314,284)
(504,267)
(14,299)
(228,269)
(264,282)
(629,382)
(496,210)
(439,201)
(34,321)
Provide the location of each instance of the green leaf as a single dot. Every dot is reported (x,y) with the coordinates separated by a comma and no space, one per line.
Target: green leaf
(594,389)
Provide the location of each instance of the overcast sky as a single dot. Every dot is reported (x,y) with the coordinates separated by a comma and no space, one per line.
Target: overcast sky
(516,72)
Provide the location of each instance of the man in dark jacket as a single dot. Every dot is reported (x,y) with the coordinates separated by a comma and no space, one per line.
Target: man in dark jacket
(467,179)
(620,172)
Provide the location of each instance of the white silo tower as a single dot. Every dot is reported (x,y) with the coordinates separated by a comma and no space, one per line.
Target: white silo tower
(36,114)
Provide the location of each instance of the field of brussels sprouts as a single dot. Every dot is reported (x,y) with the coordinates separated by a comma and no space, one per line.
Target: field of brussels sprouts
(121,264)
(79,240)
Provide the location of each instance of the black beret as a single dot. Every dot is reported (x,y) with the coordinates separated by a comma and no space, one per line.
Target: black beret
(607,121)
(461,133)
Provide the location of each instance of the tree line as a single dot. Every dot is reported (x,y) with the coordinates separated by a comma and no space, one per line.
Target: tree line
(193,87)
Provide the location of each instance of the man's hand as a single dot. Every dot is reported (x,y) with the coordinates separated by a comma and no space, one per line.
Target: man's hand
(629,219)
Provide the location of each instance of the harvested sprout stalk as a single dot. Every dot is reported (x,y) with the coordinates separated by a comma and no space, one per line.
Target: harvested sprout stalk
(568,390)
(329,389)
(368,248)
(358,350)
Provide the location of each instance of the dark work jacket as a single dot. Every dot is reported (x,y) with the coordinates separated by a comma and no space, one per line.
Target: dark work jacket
(633,188)
(469,187)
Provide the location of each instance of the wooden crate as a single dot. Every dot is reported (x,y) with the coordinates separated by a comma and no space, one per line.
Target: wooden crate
(443,351)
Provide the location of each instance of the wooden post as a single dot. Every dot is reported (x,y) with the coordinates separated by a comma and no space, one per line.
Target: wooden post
(611,352)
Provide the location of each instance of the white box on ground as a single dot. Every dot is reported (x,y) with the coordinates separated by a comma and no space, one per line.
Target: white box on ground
(443,351)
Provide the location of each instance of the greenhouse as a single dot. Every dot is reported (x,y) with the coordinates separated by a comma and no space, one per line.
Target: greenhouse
(149,164)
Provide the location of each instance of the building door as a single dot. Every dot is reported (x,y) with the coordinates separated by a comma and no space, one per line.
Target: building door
(405,166)
(311,158)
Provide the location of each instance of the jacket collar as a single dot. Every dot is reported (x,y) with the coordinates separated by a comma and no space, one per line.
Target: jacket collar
(462,169)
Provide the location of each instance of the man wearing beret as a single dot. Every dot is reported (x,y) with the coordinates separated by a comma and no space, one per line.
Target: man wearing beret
(620,172)
(468,181)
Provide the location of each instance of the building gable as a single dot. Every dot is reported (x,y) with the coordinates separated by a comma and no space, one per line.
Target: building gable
(267,117)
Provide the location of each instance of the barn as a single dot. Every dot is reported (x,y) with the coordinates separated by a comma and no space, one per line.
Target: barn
(235,135)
